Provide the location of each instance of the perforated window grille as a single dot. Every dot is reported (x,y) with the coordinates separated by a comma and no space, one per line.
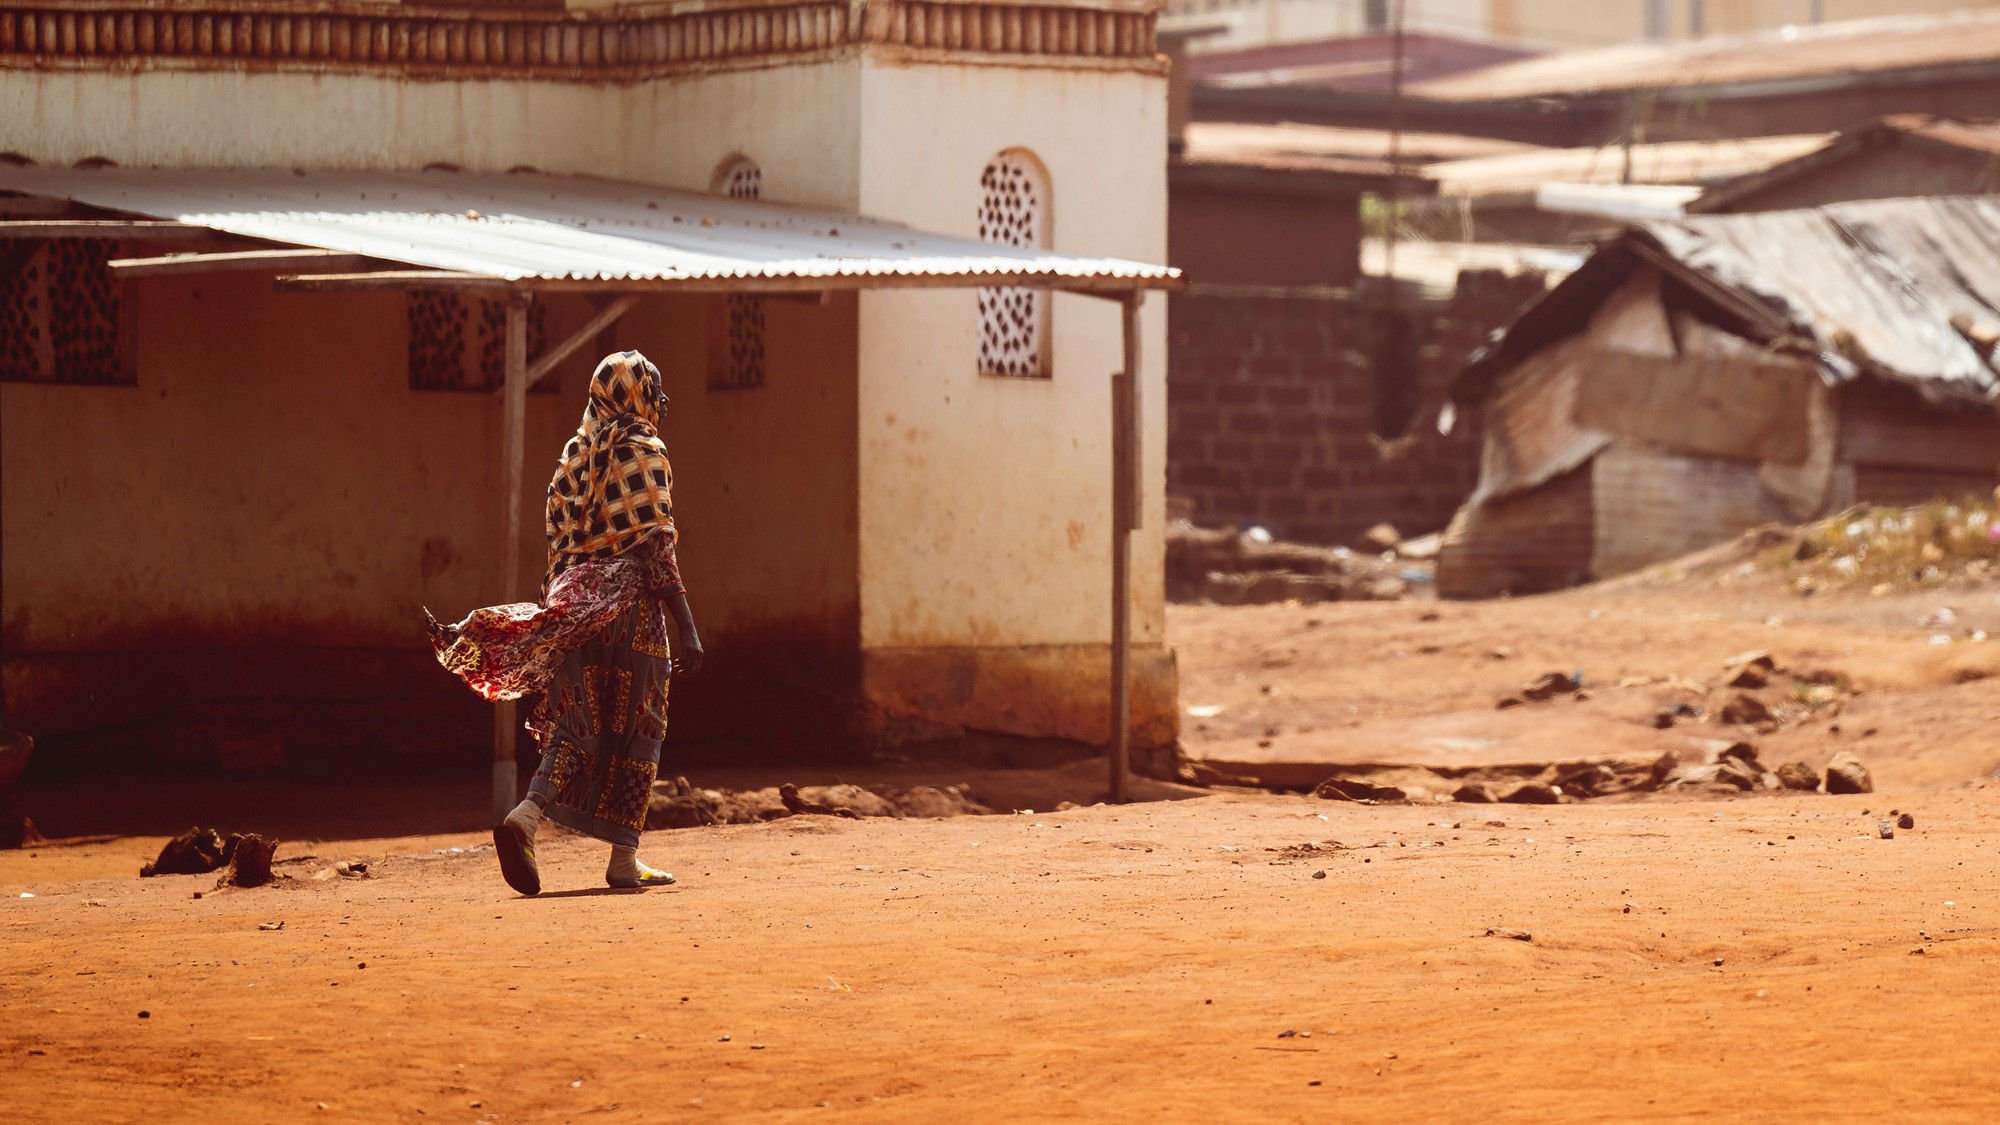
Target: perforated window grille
(63,318)
(1013,323)
(461,345)
(737,357)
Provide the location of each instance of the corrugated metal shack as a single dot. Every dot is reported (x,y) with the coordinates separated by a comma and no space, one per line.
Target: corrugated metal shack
(1695,379)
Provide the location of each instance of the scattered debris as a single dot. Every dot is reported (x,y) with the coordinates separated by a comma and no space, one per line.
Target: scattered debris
(1544,687)
(1744,709)
(1251,568)
(798,806)
(1533,793)
(677,804)
(1749,669)
(1799,776)
(1846,774)
(1348,789)
(197,851)
(250,864)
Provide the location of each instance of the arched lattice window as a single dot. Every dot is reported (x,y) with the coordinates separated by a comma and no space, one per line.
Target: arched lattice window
(736,345)
(1014,323)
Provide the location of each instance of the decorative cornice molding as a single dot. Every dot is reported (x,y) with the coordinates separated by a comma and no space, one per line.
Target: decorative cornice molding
(607,45)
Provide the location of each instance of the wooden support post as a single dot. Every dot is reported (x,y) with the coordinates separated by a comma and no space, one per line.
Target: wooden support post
(513,444)
(1126,503)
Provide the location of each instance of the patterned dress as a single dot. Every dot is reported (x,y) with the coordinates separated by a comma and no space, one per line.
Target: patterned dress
(604,712)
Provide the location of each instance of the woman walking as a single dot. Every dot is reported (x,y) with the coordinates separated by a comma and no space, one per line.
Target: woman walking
(598,647)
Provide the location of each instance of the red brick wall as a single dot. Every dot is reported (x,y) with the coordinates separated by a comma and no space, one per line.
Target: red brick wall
(1271,401)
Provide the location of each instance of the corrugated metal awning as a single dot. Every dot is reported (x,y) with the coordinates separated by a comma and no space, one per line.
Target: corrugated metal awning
(533,227)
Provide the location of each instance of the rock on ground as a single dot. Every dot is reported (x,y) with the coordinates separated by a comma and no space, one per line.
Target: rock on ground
(1846,774)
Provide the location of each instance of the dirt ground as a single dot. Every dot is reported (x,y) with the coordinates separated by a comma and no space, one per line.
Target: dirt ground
(1765,957)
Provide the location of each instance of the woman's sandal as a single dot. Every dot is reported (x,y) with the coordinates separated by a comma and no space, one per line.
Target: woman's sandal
(517,859)
(648,877)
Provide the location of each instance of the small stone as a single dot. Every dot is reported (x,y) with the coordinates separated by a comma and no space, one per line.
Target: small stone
(1886,829)
(1319,874)
(145,1015)
(1512,935)
(1548,685)
(756,1046)
(1745,677)
(1744,709)
(1846,774)
(1532,793)
(321,1105)
(1733,771)
(1906,821)
(1799,776)
(1314,1082)
(1718,962)
(724,1039)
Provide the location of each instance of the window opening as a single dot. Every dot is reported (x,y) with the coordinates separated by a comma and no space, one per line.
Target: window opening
(1013,322)
(63,317)
(736,348)
(461,345)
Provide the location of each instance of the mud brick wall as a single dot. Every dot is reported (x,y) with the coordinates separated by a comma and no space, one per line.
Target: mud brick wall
(1271,409)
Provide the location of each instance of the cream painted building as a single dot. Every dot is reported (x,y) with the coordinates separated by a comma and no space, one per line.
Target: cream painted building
(1552,24)
(893,512)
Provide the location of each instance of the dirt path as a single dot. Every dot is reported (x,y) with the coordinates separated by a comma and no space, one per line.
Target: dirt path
(1765,958)
(1417,681)
(1752,959)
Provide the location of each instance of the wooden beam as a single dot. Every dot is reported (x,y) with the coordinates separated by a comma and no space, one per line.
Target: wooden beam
(391,279)
(236,261)
(100,228)
(513,444)
(1126,500)
(605,317)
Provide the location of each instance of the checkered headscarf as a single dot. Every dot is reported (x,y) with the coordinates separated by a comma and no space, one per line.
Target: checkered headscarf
(614,487)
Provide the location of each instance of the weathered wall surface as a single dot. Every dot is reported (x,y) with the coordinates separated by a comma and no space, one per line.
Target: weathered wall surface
(1272,404)
(673,133)
(272,485)
(1219,236)
(986,502)
(765,497)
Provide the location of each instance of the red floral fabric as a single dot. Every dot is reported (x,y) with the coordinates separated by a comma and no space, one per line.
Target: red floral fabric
(508,651)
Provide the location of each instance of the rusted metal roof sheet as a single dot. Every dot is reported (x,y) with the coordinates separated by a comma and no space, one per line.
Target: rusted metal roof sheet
(1899,289)
(1804,56)
(531,226)
(1975,143)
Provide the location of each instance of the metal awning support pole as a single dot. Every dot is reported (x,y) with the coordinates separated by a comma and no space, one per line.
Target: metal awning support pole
(1126,503)
(513,444)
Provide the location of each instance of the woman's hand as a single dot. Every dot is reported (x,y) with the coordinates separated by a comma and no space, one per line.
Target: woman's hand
(688,653)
